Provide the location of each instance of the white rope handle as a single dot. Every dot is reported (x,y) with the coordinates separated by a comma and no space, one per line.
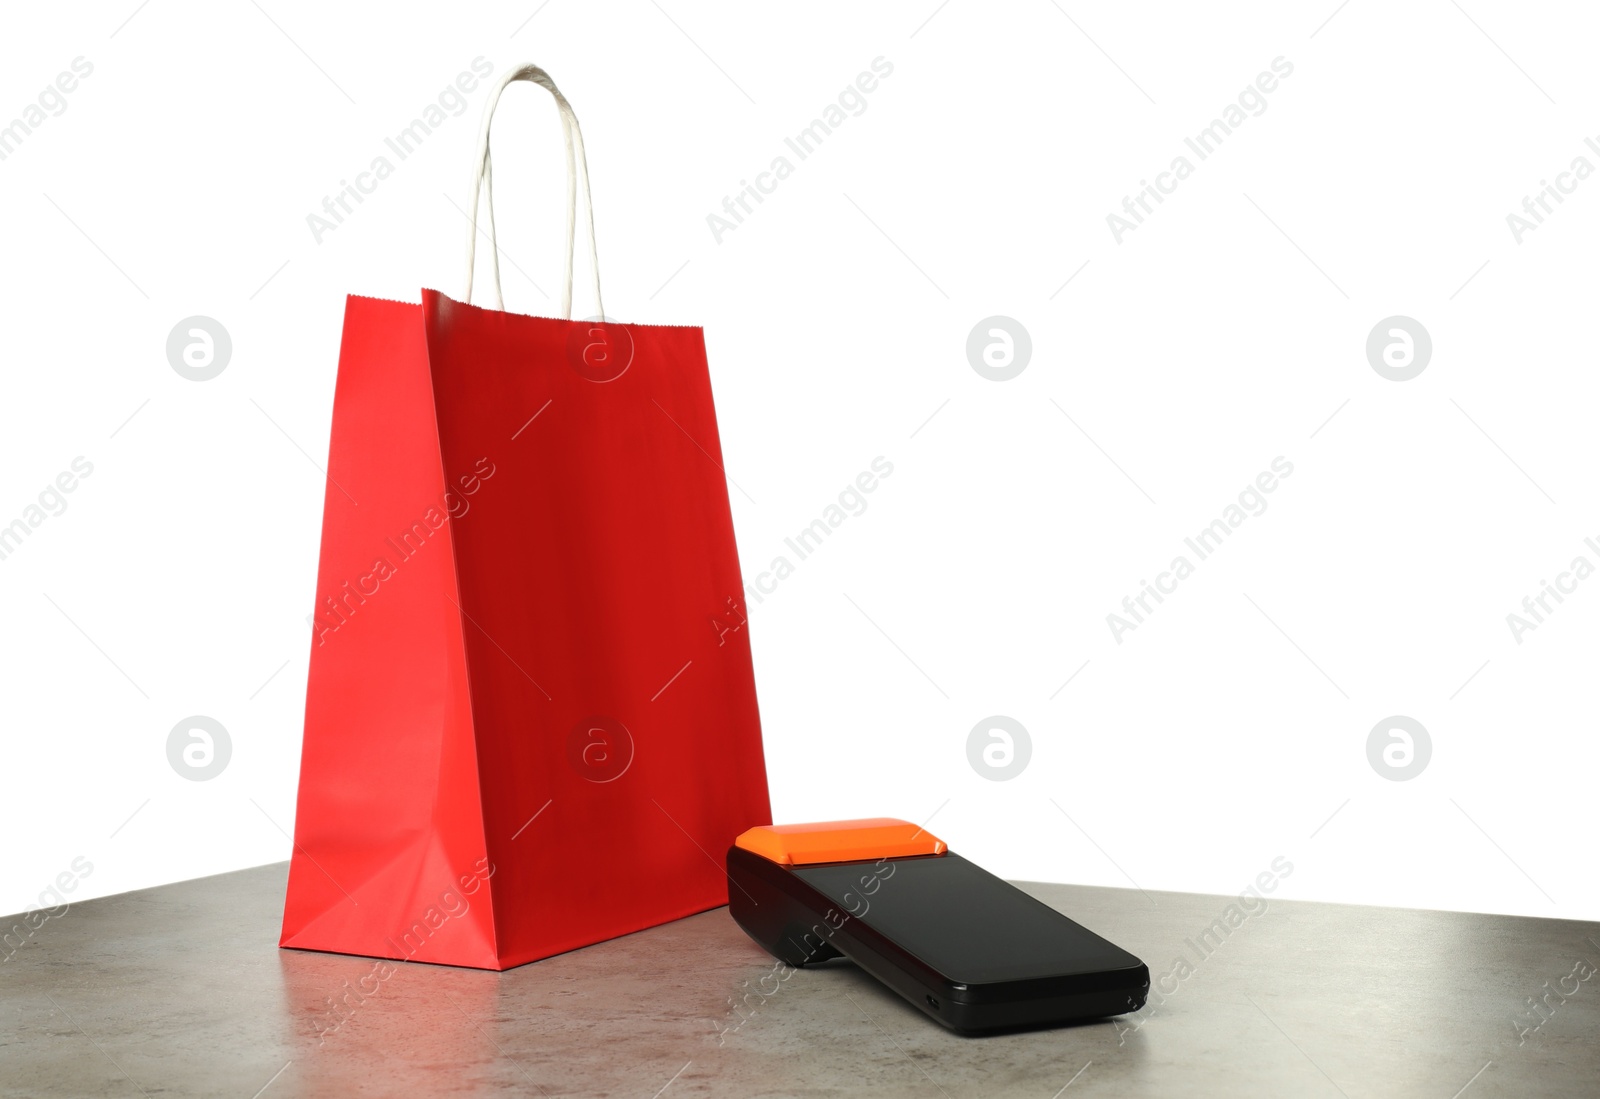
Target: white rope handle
(577,164)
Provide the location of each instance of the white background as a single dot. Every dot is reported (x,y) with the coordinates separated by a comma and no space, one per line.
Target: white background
(1230,728)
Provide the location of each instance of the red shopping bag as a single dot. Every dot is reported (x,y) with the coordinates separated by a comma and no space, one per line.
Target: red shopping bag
(531,716)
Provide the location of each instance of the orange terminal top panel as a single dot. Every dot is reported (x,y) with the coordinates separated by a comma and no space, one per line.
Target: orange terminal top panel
(839,841)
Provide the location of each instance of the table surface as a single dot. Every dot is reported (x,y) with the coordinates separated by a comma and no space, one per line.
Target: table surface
(182,990)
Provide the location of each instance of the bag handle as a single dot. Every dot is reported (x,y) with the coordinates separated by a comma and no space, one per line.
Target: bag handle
(577,163)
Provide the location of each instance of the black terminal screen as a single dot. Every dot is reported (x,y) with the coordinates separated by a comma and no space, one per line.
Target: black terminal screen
(963,921)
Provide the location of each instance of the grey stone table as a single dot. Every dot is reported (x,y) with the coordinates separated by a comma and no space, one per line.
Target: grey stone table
(182,991)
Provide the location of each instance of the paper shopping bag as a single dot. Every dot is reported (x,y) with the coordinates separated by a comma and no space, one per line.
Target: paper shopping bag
(531,716)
